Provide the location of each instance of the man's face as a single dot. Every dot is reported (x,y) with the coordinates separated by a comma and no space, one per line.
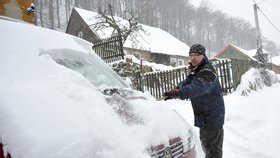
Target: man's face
(196,58)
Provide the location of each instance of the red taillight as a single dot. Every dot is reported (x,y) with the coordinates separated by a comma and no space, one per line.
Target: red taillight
(2,152)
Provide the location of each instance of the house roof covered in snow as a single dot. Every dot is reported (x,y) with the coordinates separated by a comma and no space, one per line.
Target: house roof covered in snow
(155,40)
(276,60)
(249,53)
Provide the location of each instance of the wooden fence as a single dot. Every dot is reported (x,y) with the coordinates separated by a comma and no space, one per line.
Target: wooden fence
(238,68)
(229,73)
(159,82)
(109,49)
(223,69)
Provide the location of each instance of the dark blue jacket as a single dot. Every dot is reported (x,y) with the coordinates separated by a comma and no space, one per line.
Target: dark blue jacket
(203,88)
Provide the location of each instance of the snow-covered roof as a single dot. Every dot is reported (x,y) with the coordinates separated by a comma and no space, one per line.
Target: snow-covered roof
(167,44)
(249,53)
(276,60)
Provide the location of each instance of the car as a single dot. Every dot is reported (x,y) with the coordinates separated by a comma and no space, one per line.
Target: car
(59,99)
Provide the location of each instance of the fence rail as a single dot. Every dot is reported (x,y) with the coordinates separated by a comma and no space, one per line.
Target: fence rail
(229,73)
(109,49)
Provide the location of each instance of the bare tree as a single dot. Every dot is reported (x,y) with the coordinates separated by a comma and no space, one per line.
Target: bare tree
(127,27)
(39,5)
(67,12)
(51,14)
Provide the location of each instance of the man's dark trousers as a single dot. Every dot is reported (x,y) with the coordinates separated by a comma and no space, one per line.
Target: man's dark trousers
(212,142)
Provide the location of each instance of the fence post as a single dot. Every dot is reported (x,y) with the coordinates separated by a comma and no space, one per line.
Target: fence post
(225,76)
(139,81)
(228,75)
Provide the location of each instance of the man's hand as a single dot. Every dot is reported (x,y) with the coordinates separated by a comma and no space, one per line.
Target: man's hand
(171,94)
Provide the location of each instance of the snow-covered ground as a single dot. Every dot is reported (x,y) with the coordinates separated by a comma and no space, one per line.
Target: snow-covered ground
(251,126)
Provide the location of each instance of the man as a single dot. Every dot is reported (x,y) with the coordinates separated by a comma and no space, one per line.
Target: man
(202,87)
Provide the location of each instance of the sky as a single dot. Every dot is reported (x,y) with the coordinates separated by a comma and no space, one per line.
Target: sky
(244,9)
(48,110)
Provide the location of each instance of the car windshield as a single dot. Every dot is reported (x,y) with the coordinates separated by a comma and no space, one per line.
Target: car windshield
(89,65)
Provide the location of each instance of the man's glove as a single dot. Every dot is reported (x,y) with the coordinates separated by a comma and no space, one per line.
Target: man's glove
(171,94)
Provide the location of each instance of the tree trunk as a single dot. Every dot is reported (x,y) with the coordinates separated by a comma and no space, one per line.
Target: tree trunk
(41,6)
(57,12)
(51,14)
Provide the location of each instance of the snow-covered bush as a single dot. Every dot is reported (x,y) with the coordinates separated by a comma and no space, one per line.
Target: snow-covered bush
(253,81)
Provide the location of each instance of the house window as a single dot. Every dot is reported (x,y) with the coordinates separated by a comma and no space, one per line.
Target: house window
(173,61)
(80,34)
(180,62)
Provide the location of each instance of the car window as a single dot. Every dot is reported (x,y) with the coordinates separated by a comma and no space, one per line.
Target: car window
(89,65)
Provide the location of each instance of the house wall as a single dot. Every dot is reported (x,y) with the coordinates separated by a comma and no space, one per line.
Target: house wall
(160,58)
(179,60)
(76,25)
(139,54)
(156,57)
(276,68)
